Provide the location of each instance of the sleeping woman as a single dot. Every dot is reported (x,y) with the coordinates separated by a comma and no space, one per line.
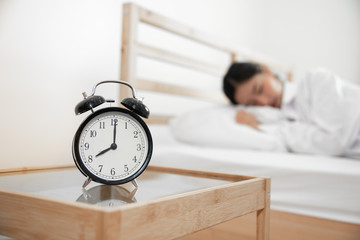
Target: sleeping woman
(319,115)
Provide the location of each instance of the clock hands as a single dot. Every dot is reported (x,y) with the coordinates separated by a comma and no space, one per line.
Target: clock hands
(113,146)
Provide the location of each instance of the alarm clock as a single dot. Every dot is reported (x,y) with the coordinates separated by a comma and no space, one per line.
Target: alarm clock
(112,145)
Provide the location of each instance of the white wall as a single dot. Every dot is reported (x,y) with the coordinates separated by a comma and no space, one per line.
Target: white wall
(312,33)
(51,51)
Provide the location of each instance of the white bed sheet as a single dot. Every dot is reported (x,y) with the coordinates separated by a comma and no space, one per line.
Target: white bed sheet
(319,186)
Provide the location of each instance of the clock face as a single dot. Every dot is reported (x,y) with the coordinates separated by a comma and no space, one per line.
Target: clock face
(112,146)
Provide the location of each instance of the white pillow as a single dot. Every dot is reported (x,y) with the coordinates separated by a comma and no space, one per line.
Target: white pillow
(216,127)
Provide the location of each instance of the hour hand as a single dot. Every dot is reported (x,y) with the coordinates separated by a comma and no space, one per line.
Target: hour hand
(103,151)
(112,147)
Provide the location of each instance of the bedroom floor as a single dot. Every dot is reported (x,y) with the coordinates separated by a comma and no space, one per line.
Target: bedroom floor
(283,226)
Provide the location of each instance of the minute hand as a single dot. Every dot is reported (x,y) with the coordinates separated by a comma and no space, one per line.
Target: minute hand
(115,124)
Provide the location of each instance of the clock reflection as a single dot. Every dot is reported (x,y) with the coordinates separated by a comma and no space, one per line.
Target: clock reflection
(107,196)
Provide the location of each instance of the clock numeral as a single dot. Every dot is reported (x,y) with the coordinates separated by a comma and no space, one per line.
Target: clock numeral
(138,148)
(113,121)
(101,167)
(90,158)
(126,168)
(87,146)
(126,125)
(112,171)
(102,125)
(136,134)
(134,159)
(93,133)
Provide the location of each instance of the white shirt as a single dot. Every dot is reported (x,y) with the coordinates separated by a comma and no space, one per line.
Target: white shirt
(321,115)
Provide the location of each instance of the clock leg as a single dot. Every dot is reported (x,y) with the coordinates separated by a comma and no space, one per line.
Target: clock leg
(132,194)
(87,181)
(135,184)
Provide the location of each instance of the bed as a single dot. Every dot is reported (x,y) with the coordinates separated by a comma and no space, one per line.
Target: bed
(313,197)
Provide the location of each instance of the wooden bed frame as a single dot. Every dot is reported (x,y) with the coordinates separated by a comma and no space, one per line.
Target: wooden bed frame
(133,15)
(282,225)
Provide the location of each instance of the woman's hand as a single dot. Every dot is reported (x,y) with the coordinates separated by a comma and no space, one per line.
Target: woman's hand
(247,119)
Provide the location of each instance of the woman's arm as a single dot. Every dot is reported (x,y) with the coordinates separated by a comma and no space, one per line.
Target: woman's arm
(243,117)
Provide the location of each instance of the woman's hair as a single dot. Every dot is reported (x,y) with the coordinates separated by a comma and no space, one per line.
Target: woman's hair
(239,73)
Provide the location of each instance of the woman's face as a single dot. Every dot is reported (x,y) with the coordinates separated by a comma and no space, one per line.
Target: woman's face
(262,89)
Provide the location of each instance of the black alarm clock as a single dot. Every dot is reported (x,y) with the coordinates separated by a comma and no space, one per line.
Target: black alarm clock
(112,145)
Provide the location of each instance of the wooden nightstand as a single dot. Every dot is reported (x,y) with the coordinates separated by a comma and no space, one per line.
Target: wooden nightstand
(168,204)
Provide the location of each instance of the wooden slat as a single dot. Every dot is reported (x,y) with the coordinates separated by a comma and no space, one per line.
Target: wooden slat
(263,215)
(24,170)
(179,90)
(128,46)
(206,174)
(175,216)
(180,29)
(192,63)
(158,119)
(25,216)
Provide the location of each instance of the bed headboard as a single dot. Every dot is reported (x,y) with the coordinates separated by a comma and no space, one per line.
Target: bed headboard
(132,49)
